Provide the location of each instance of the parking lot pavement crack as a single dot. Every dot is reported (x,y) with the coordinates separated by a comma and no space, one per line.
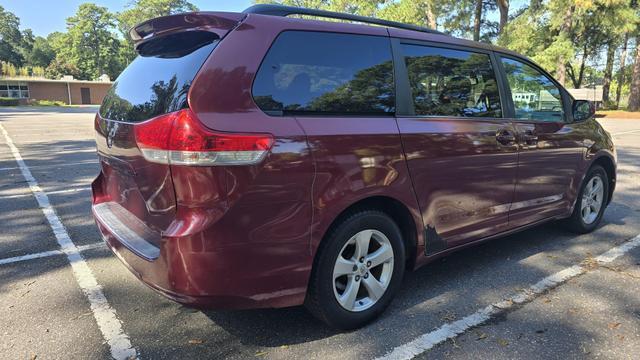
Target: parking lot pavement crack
(620,271)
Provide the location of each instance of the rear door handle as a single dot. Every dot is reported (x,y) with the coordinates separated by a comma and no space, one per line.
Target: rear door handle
(506,137)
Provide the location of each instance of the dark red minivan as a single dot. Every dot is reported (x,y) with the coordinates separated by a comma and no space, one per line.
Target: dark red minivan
(257,160)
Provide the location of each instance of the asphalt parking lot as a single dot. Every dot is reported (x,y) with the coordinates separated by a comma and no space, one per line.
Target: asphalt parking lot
(541,293)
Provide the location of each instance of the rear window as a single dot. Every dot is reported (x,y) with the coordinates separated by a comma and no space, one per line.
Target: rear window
(158,80)
(326,73)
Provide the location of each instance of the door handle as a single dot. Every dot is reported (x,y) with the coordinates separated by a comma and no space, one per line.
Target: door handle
(505,137)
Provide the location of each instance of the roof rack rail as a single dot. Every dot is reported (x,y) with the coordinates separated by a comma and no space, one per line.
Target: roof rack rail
(282,10)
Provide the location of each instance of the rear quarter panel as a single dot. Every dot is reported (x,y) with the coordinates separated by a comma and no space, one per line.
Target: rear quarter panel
(283,196)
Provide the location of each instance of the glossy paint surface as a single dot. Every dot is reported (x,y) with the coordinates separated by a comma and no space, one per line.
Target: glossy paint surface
(463,177)
(356,158)
(145,189)
(246,236)
(547,165)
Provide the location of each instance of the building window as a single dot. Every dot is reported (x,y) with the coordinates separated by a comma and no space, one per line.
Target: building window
(24,91)
(14,90)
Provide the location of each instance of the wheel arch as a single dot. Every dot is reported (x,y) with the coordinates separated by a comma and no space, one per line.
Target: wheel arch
(609,166)
(396,210)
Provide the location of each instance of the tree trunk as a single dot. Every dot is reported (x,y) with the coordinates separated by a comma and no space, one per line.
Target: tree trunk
(623,60)
(634,97)
(581,74)
(432,21)
(577,79)
(503,6)
(477,21)
(608,73)
(535,5)
(561,72)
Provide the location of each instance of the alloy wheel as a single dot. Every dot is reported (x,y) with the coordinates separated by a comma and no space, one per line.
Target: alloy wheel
(363,270)
(592,199)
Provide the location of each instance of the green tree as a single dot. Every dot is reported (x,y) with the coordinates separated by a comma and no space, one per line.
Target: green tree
(360,7)
(503,6)
(90,44)
(451,16)
(10,38)
(141,10)
(59,68)
(634,91)
(614,20)
(634,95)
(40,53)
(562,36)
(620,78)
(418,12)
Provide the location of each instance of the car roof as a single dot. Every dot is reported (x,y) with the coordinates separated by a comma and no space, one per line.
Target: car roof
(366,25)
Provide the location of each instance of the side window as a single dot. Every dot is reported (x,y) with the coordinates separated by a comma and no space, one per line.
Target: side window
(535,96)
(326,73)
(449,82)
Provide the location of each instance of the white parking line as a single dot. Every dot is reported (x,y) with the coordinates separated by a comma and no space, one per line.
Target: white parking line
(52,165)
(55,192)
(626,132)
(451,330)
(44,254)
(105,315)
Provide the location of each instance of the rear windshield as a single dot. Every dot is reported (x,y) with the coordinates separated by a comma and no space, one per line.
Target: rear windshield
(157,81)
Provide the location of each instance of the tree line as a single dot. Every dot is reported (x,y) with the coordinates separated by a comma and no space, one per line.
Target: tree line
(95,42)
(581,42)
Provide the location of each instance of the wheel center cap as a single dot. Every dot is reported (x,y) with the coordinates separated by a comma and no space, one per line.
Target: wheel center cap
(362,269)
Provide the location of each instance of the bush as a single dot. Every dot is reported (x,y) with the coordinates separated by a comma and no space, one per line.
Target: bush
(9,102)
(47,103)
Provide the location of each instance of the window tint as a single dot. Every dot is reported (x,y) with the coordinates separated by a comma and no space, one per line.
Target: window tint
(313,72)
(157,81)
(450,82)
(535,96)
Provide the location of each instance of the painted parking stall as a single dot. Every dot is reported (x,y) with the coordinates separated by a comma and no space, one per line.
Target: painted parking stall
(439,313)
(105,316)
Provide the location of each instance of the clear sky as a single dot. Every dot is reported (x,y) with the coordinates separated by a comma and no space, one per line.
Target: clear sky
(46,16)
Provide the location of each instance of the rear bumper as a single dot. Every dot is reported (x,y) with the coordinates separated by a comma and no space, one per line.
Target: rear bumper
(181,275)
(128,230)
(189,271)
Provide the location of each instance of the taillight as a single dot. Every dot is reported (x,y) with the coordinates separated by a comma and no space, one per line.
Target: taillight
(178,138)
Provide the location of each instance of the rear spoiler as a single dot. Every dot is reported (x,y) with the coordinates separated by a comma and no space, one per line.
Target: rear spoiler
(219,23)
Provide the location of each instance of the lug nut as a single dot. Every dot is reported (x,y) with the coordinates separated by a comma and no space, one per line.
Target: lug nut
(368,263)
(357,277)
(366,275)
(361,259)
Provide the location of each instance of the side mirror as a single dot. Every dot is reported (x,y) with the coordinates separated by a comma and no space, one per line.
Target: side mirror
(583,110)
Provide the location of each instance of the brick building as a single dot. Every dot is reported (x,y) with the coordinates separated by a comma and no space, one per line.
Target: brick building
(67,90)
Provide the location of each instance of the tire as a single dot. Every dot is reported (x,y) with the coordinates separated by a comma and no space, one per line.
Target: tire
(327,285)
(578,222)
